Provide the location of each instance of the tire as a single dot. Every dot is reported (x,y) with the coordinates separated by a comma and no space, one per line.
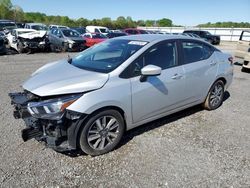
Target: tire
(65,47)
(243,69)
(215,96)
(99,136)
(20,48)
(52,48)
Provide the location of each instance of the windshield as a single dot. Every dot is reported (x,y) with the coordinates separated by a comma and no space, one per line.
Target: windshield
(80,30)
(103,30)
(98,36)
(143,32)
(107,56)
(207,33)
(7,25)
(39,27)
(70,33)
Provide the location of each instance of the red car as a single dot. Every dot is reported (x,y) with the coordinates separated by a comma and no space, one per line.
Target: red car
(134,31)
(93,38)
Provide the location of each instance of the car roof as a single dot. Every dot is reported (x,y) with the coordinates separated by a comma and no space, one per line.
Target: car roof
(34,24)
(154,37)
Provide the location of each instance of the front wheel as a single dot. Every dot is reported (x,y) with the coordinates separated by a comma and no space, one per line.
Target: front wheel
(102,132)
(215,96)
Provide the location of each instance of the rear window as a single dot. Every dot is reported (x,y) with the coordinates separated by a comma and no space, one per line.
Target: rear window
(196,51)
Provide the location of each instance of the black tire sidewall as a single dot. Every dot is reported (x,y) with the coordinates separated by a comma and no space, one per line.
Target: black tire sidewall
(83,143)
(211,107)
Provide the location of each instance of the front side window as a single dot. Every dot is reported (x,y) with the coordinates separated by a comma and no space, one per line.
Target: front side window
(196,51)
(107,56)
(162,55)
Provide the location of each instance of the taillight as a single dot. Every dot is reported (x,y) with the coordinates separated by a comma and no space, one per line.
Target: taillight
(231,60)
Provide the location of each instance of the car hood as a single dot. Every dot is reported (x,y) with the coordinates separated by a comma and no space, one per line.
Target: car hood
(32,35)
(63,78)
(76,39)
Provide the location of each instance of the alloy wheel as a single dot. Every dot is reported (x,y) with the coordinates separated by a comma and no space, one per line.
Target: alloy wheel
(103,132)
(216,95)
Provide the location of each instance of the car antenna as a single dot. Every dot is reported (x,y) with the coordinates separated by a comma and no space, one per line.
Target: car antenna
(69,59)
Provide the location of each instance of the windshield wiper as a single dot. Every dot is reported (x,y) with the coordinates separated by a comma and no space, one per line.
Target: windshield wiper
(69,59)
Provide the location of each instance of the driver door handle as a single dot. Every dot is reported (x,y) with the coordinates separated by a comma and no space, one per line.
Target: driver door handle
(176,76)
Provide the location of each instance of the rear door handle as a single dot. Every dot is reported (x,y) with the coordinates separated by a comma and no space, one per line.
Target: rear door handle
(176,76)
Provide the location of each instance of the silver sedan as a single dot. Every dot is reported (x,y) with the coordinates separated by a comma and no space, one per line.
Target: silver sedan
(87,102)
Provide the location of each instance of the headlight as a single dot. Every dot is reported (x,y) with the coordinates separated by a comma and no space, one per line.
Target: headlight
(52,109)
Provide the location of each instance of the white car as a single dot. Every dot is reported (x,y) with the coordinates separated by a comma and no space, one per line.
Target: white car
(26,39)
(97,29)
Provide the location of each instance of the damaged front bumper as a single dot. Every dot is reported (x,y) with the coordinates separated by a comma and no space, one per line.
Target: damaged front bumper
(60,135)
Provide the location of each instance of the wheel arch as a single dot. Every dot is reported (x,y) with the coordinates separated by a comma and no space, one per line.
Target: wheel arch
(77,126)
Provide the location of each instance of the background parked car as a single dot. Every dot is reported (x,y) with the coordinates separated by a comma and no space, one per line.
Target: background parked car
(81,30)
(36,26)
(94,38)
(212,39)
(97,29)
(116,34)
(63,39)
(27,40)
(7,25)
(242,52)
(134,31)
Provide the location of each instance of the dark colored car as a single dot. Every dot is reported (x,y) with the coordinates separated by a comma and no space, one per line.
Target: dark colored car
(6,25)
(134,31)
(212,39)
(81,30)
(116,34)
(66,40)
(2,46)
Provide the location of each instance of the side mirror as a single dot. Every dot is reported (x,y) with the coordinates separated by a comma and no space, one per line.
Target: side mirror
(149,70)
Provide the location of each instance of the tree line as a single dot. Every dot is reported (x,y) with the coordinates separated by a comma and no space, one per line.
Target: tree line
(16,13)
(226,24)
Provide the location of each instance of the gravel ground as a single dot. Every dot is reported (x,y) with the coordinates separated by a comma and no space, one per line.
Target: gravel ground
(193,148)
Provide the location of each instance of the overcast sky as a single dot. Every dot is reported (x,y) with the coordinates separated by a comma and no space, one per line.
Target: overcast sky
(182,12)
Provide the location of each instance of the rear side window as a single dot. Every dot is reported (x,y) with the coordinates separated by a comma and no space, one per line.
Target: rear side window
(195,51)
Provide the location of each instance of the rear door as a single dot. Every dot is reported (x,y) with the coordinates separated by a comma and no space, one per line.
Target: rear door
(158,94)
(200,66)
(243,46)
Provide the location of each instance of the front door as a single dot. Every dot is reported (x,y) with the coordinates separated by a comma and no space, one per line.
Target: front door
(158,94)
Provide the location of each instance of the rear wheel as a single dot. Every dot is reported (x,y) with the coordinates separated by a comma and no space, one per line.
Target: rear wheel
(215,96)
(102,132)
